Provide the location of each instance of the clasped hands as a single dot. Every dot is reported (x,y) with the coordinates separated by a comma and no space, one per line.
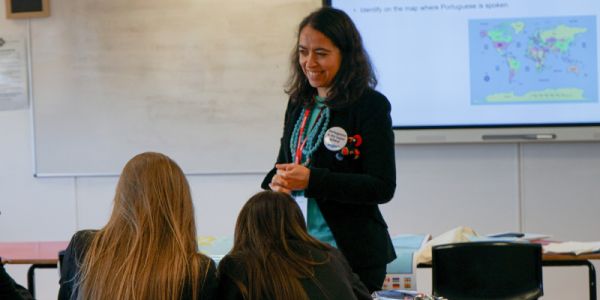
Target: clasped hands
(290,177)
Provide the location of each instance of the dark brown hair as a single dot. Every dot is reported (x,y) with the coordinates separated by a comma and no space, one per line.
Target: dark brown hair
(355,74)
(266,225)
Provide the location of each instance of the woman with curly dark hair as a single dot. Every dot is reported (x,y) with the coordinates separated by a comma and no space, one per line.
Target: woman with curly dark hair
(337,151)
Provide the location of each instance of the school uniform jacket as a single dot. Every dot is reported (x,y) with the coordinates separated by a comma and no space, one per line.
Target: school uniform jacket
(348,191)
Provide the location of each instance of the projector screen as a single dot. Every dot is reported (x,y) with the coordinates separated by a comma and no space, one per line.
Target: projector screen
(471,71)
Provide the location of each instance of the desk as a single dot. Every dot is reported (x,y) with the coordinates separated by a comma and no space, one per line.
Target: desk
(557,260)
(564,260)
(40,255)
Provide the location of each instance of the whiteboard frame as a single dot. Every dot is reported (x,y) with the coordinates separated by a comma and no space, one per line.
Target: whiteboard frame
(45,12)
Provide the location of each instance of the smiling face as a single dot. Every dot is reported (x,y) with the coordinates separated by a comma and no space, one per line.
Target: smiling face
(319,58)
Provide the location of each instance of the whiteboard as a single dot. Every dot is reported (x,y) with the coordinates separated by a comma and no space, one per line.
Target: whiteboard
(201,81)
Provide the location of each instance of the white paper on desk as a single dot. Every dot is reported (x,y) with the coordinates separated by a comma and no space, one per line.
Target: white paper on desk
(456,235)
(572,247)
(516,236)
(529,236)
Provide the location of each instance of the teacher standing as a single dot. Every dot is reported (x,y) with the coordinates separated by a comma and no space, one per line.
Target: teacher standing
(337,151)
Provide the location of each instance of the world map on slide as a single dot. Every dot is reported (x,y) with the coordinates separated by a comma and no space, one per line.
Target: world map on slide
(533,60)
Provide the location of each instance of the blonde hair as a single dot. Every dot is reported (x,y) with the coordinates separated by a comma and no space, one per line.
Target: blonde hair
(148,249)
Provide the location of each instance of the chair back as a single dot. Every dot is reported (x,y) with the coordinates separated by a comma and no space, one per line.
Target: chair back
(487,270)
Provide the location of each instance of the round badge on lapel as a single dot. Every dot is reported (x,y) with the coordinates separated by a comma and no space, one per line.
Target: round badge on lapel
(335,138)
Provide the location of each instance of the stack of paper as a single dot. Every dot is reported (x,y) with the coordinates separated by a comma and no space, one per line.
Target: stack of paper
(572,247)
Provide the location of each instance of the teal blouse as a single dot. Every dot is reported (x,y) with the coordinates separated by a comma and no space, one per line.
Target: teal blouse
(316,224)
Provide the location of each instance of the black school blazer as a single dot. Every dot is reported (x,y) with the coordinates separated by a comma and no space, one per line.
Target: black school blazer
(349,191)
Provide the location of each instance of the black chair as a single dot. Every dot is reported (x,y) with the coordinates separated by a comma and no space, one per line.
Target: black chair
(487,270)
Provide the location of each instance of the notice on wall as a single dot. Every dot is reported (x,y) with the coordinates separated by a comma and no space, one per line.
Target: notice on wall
(13,73)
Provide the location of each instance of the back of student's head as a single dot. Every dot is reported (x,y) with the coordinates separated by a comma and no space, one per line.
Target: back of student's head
(153,196)
(148,249)
(269,230)
(270,219)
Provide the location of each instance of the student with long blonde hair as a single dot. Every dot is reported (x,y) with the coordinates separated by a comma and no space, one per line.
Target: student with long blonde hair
(148,249)
(274,257)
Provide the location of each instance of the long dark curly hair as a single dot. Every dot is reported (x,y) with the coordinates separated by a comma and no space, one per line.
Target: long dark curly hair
(355,74)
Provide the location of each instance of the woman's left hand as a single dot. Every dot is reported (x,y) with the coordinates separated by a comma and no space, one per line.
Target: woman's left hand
(295,175)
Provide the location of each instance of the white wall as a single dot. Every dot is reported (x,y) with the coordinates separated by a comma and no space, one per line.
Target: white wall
(547,188)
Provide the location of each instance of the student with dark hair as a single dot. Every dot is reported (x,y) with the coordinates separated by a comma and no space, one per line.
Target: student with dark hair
(148,249)
(273,257)
(337,148)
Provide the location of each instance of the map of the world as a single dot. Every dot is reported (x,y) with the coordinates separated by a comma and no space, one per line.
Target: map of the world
(533,60)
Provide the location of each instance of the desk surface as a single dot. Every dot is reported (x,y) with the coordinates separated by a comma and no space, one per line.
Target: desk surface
(47,253)
(555,256)
(31,252)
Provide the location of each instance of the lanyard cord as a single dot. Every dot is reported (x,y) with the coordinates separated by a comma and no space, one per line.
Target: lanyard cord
(304,145)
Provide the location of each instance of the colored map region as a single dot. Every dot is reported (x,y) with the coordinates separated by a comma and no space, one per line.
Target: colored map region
(533,60)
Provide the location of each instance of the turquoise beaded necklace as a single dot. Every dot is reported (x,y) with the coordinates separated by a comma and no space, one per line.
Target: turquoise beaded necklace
(313,136)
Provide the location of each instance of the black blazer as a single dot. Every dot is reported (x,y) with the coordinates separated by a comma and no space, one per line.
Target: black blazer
(348,191)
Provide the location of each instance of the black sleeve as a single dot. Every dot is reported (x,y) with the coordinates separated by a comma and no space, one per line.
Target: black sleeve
(228,289)
(282,156)
(7,284)
(360,290)
(70,264)
(375,182)
(210,285)
(11,290)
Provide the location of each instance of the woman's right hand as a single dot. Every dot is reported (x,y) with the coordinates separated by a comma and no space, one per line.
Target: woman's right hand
(278,184)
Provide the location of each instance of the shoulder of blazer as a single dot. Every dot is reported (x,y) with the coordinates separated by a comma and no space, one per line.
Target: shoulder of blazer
(371,101)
